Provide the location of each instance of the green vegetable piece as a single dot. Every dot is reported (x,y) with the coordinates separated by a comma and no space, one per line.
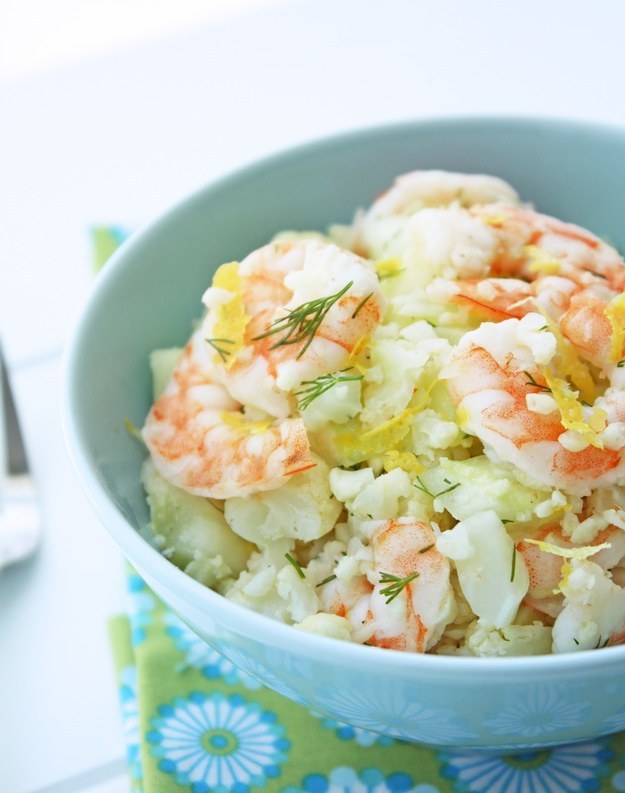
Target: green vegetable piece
(192,532)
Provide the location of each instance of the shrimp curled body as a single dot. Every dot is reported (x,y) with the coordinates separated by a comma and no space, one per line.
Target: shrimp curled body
(197,433)
(414,619)
(492,381)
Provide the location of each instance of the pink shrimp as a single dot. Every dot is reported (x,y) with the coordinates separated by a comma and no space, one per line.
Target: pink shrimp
(578,254)
(489,381)
(193,446)
(281,284)
(590,274)
(580,313)
(545,569)
(407,562)
(198,436)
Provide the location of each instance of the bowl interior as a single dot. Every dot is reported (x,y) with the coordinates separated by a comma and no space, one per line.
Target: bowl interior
(148,296)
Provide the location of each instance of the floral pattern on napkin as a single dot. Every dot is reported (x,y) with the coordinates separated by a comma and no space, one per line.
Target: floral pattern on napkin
(194,723)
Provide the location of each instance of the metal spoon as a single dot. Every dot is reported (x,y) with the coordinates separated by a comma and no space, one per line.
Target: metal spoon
(19,512)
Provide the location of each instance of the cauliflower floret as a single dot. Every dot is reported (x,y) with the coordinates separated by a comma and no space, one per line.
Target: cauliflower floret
(606,507)
(450,242)
(466,487)
(430,433)
(515,640)
(594,608)
(302,509)
(531,333)
(327,625)
(271,585)
(492,576)
(338,404)
(368,497)
(398,367)
(192,532)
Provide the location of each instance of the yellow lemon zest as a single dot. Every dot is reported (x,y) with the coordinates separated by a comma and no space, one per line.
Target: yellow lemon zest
(231,317)
(385,268)
(462,417)
(355,446)
(615,312)
(580,553)
(572,411)
(354,357)
(238,422)
(542,262)
(495,220)
(566,570)
(399,421)
(568,553)
(569,364)
(404,460)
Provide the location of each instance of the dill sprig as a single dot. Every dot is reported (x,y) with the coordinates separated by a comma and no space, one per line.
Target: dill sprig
(326,580)
(315,388)
(361,304)
(513,565)
(531,381)
(302,323)
(620,364)
(295,565)
(420,486)
(395,585)
(427,548)
(214,343)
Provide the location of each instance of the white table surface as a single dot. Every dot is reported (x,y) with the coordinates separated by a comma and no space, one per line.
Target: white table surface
(121,138)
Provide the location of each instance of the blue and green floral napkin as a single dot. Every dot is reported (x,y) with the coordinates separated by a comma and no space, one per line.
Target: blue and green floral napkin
(193,722)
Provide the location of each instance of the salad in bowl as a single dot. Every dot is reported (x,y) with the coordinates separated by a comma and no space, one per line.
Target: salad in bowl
(408,431)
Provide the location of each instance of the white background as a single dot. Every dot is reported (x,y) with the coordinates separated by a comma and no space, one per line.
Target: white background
(110,112)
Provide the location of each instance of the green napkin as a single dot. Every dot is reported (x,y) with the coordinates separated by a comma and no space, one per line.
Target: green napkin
(193,722)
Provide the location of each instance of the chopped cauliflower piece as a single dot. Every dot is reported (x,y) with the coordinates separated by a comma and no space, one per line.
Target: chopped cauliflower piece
(541,343)
(534,639)
(271,585)
(338,404)
(376,499)
(192,532)
(544,404)
(594,609)
(492,576)
(327,625)
(303,509)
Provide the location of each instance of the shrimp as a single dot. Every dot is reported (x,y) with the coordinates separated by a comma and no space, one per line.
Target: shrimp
(405,561)
(545,569)
(497,383)
(529,243)
(582,596)
(417,189)
(555,268)
(580,312)
(197,433)
(285,287)
(594,609)
(194,447)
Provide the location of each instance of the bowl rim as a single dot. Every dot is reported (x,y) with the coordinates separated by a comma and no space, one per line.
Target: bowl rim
(247,622)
